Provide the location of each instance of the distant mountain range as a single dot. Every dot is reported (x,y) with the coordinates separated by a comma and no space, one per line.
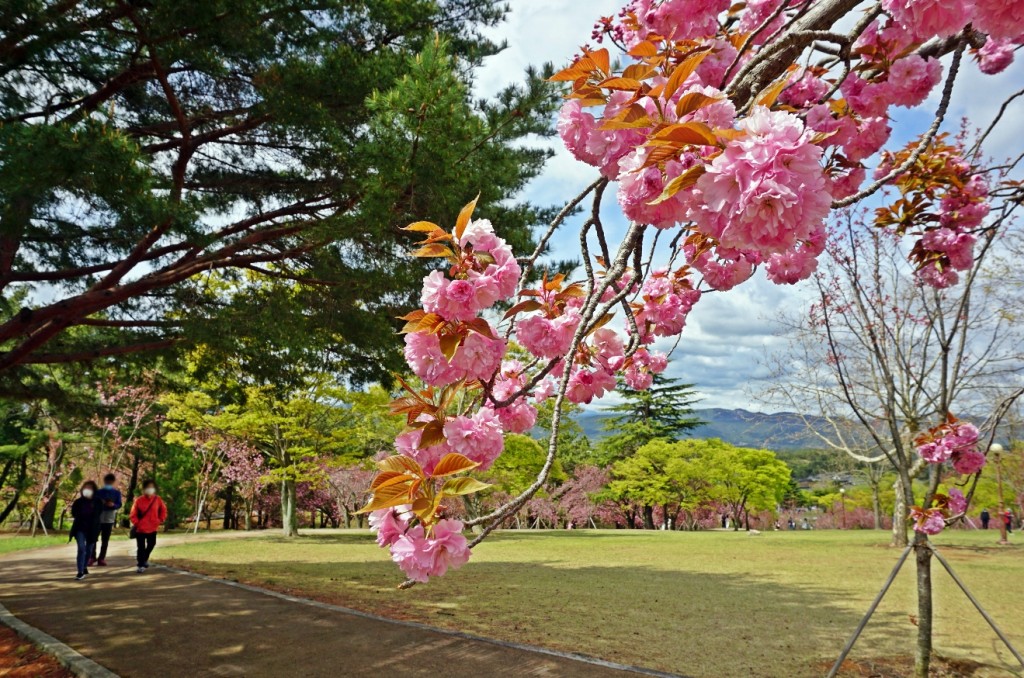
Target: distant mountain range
(774,431)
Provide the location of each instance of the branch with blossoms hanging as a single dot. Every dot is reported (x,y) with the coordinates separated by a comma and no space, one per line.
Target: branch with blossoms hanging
(736,130)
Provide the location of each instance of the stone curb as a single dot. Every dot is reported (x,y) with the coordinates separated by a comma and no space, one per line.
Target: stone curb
(583,659)
(73,661)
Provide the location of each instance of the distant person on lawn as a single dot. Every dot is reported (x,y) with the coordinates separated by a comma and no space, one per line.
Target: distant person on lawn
(85,525)
(985,517)
(110,501)
(148,514)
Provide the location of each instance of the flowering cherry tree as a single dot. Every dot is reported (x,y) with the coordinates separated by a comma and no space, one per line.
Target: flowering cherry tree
(732,131)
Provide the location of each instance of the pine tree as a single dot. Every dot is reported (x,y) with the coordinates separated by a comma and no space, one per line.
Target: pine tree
(662,411)
(234,174)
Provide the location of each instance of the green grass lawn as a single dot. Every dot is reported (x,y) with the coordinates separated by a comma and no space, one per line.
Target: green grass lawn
(17,542)
(702,604)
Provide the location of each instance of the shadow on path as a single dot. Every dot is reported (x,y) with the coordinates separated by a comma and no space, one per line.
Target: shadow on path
(166,624)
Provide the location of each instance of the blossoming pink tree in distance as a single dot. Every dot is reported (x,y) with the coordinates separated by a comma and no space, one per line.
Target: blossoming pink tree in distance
(127,411)
(244,468)
(732,132)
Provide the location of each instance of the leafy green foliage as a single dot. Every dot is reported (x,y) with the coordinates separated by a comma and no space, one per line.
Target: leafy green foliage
(690,474)
(232,175)
(518,466)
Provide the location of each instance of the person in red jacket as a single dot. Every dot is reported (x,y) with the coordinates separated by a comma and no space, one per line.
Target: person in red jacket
(147,515)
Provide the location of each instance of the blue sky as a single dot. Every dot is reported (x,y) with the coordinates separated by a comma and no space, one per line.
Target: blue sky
(728,337)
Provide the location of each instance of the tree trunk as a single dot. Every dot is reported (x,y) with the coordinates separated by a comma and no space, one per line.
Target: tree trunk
(648,517)
(49,511)
(133,483)
(900,514)
(229,509)
(289,516)
(922,660)
(876,505)
(18,487)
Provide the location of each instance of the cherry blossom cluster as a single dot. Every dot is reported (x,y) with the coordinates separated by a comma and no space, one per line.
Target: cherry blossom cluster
(741,164)
(933,520)
(942,201)
(752,187)
(474,394)
(420,555)
(955,442)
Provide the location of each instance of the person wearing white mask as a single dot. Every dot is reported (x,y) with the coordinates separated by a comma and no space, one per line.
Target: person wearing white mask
(148,513)
(85,525)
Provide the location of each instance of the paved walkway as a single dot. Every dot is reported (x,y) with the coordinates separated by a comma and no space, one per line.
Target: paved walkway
(165,623)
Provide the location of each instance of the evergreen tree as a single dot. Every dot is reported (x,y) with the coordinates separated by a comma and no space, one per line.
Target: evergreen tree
(662,411)
(233,174)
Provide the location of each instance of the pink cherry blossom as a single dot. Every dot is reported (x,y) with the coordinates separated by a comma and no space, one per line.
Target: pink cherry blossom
(927,18)
(479,234)
(544,390)
(930,521)
(867,99)
(789,268)
(957,501)
(939,278)
(479,437)
(959,247)
(547,338)
(608,345)
(678,19)
(639,187)
(963,435)
(422,557)
(450,299)
(575,127)
(968,462)
(408,443)
(756,14)
(725,272)
(410,552)
(1000,18)
(448,547)
(847,183)
(721,114)
(838,131)
(478,357)
(712,69)
(935,452)
(587,384)
(804,90)
(518,417)
(388,524)
(423,353)
(911,79)
(870,136)
(767,190)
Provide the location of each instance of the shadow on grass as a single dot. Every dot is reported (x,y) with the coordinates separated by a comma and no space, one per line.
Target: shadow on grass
(683,622)
(687,622)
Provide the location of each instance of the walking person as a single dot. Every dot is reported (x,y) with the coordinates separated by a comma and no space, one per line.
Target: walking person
(147,515)
(985,517)
(1008,521)
(85,525)
(110,501)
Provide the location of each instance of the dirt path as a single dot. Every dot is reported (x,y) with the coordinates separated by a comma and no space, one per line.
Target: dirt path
(163,623)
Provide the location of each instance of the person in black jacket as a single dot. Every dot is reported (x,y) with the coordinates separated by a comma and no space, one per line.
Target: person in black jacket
(85,525)
(109,498)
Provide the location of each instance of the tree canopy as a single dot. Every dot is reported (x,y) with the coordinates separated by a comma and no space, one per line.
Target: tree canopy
(234,173)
